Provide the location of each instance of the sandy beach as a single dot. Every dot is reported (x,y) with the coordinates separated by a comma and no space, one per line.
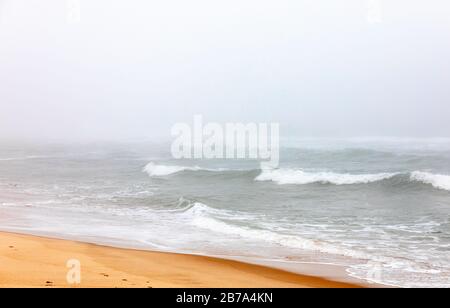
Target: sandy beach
(30,261)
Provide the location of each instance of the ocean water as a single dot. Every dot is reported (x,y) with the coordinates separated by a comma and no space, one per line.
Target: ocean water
(379,207)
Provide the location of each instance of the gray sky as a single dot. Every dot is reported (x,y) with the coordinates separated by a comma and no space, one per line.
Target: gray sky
(131,69)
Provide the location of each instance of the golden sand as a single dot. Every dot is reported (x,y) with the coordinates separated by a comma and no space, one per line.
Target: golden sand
(30,261)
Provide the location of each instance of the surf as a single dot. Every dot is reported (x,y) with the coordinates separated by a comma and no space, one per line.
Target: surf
(154,170)
(438,181)
(300,177)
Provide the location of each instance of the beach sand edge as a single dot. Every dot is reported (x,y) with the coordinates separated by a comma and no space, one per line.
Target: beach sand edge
(33,261)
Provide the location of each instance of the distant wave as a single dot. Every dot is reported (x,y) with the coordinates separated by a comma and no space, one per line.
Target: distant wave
(436,180)
(286,176)
(155,170)
(21,158)
(163,170)
(299,177)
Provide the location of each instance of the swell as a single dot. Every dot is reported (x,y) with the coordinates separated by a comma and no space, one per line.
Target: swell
(300,177)
(22,158)
(290,176)
(154,170)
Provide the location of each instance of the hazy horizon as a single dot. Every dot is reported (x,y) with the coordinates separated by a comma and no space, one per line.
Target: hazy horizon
(129,70)
(346,179)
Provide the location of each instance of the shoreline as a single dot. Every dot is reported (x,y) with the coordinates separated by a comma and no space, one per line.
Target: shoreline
(36,261)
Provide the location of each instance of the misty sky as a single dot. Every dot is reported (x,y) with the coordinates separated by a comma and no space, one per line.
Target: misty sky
(131,69)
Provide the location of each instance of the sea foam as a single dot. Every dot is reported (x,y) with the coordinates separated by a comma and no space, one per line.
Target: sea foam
(299,177)
(205,217)
(221,222)
(438,181)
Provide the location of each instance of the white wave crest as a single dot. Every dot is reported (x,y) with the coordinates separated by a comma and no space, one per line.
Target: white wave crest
(293,176)
(199,210)
(438,181)
(163,170)
(155,170)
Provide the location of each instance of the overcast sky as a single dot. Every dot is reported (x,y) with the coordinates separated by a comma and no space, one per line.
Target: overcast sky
(130,69)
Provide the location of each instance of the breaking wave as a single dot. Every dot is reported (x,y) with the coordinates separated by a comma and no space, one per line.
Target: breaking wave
(299,177)
(438,181)
(155,170)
